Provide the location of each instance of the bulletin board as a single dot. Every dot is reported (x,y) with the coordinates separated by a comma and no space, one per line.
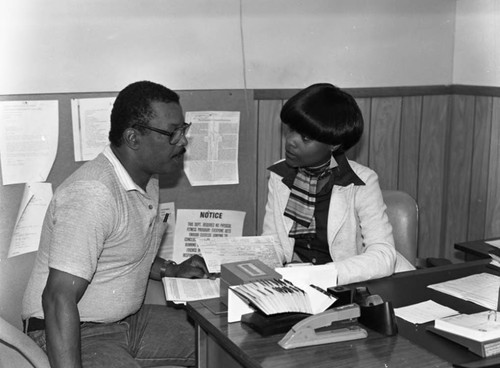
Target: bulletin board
(239,197)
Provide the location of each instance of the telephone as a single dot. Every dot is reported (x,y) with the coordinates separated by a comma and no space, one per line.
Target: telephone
(332,325)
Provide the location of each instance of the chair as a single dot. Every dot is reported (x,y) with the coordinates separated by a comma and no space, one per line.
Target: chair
(402,211)
(19,350)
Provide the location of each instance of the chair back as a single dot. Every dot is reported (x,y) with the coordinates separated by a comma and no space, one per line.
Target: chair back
(18,350)
(402,211)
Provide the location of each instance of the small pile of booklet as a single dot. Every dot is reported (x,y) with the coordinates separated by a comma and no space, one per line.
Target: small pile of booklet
(479,332)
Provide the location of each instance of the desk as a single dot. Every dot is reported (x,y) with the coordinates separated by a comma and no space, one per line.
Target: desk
(220,344)
(476,249)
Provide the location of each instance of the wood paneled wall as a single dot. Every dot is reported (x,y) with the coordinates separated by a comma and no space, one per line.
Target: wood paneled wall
(439,144)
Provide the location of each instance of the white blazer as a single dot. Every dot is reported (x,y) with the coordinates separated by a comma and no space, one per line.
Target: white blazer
(359,233)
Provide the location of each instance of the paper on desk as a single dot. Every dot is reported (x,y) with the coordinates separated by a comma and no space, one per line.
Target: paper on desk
(481,289)
(323,276)
(185,290)
(217,251)
(236,307)
(311,277)
(495,243)
(424,312)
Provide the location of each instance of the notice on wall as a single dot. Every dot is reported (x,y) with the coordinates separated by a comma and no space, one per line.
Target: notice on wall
(29,134)
(167,214)
(212,154)
(203,223)
(28,227)
(91,119)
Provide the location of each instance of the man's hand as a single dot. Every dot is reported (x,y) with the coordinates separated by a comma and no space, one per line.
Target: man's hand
(192,268)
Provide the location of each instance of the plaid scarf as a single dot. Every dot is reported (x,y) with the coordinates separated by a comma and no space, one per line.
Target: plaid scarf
(300,205)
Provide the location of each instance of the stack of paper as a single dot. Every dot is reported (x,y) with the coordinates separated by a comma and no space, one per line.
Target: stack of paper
(481,289)
(281,296)
(481,326)
(180,290)
(216,251)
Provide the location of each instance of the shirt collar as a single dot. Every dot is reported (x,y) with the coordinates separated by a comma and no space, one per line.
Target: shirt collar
(122,174)
(342,173)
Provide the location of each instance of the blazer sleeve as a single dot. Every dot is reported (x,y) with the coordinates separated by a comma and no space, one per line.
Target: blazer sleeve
(377,256)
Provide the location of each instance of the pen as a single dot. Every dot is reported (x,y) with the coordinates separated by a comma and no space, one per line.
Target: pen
(493,267)
(320,290)
(166,217)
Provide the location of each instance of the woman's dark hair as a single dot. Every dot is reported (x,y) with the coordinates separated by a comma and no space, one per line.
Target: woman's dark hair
(325,113)
(133,106)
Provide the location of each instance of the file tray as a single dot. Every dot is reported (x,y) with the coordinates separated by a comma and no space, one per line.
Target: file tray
(242,272)
(482,348)
(274,324)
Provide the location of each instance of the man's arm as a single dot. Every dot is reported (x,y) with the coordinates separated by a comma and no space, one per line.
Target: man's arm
(62,319)
(191,268)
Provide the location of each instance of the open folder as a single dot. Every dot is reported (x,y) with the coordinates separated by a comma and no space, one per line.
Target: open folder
(309,286)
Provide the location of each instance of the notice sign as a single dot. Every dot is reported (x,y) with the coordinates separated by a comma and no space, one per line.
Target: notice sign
(193,224)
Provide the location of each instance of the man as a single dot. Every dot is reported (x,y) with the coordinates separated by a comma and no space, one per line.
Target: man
(101,233)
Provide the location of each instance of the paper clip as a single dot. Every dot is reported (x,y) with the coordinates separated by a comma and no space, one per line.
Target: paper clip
(492,313)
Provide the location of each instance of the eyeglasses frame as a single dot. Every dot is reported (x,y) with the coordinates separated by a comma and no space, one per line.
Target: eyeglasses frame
(182,129)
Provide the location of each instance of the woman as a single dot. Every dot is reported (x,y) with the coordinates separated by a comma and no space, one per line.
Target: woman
(321,207)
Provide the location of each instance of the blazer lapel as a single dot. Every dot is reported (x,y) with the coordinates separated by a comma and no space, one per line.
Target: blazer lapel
(339,205)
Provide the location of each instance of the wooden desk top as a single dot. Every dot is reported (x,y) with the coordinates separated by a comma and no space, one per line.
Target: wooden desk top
(412,347)
(252,350)
(411,287)
(478,248)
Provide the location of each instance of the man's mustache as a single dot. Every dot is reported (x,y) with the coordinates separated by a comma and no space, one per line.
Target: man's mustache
(181,152)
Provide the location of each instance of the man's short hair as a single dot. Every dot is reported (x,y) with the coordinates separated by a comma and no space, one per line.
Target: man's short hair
(133,106)
(325,113)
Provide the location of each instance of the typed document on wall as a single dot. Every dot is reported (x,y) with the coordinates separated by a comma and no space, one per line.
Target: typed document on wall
(29,135)
(91,122)
(212,153)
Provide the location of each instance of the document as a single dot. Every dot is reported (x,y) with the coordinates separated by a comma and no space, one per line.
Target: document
(495,243)
(28,227)
(323,276)
(203,223)
(212,157)
(481,289)
(480,326)
(424,312)
(29,134)
(218,250)
(167,214)
(91,119)
(181,290)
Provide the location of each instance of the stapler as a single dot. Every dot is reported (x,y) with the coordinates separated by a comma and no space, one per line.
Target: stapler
(333,325)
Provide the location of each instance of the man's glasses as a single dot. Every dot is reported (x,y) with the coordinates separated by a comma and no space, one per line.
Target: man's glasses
(175,135)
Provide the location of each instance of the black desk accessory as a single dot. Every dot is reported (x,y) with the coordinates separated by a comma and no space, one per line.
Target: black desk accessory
(274,324)
(375,313)
(343,294)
